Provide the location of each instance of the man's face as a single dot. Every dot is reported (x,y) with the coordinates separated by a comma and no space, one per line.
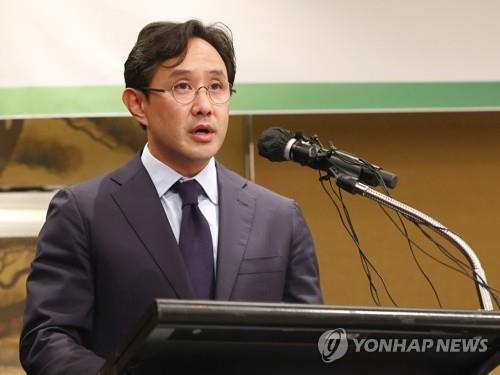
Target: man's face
(186,136)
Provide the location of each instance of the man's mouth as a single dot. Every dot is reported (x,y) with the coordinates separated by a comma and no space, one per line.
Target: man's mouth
(202,129)
(202,133)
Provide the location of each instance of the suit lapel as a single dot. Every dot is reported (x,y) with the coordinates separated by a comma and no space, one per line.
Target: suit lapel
(236,212)
(139,202)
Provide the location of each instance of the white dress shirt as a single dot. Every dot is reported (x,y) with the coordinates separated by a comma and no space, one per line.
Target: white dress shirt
(164,178)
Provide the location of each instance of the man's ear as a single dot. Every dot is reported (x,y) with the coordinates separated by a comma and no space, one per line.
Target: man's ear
(134,100)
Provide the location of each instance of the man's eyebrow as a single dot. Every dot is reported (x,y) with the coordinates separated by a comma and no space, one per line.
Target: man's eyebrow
(183,72)
(178,72)
(217,72)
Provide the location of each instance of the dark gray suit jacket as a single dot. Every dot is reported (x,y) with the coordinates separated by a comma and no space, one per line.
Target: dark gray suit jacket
(106,251)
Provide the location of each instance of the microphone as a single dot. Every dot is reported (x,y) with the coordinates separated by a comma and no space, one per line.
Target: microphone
(278,144)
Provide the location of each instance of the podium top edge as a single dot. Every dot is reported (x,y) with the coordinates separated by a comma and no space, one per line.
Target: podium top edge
(321,315)
(297,307)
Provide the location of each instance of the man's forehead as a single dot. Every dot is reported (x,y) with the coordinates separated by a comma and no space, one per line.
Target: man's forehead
(199,54)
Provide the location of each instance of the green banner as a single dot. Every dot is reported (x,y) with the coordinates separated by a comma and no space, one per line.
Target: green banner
(91,101)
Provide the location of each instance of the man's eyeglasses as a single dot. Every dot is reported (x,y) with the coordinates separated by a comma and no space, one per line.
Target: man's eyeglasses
(219,92)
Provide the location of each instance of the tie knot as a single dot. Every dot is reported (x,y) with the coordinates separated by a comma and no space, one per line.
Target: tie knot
(189,191)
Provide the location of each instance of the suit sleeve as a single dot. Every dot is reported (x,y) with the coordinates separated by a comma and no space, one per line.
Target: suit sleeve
(302,280)
(58,317)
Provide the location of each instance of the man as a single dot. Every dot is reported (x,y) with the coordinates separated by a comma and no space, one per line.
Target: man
(112,245)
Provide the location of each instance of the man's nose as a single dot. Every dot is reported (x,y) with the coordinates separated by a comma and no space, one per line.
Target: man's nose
(202,104)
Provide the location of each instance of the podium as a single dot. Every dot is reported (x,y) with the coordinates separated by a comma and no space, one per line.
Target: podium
(215,337)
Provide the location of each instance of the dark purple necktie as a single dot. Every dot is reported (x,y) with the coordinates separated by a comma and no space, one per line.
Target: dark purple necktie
(195,240)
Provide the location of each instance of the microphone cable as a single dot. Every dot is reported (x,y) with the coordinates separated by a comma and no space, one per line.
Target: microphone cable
(461,267)
(404,231)
(349,227)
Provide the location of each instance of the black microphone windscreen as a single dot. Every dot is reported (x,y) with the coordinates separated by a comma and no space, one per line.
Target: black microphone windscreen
(272,143)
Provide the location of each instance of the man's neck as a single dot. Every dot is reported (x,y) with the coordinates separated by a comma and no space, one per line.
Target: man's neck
(187,169)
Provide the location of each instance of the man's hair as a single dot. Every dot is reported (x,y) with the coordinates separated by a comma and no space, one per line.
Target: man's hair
(159,41)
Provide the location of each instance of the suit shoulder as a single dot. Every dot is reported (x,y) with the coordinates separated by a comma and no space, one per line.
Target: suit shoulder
(258,191)
(116,177)
(106,181)
(262,192)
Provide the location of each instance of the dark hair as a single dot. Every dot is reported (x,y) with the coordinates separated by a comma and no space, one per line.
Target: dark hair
(159,41)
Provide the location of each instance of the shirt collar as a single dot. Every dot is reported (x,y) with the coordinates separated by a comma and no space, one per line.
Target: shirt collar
(164,177)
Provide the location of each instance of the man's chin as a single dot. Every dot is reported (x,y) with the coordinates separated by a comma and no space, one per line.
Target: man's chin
(205,151)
